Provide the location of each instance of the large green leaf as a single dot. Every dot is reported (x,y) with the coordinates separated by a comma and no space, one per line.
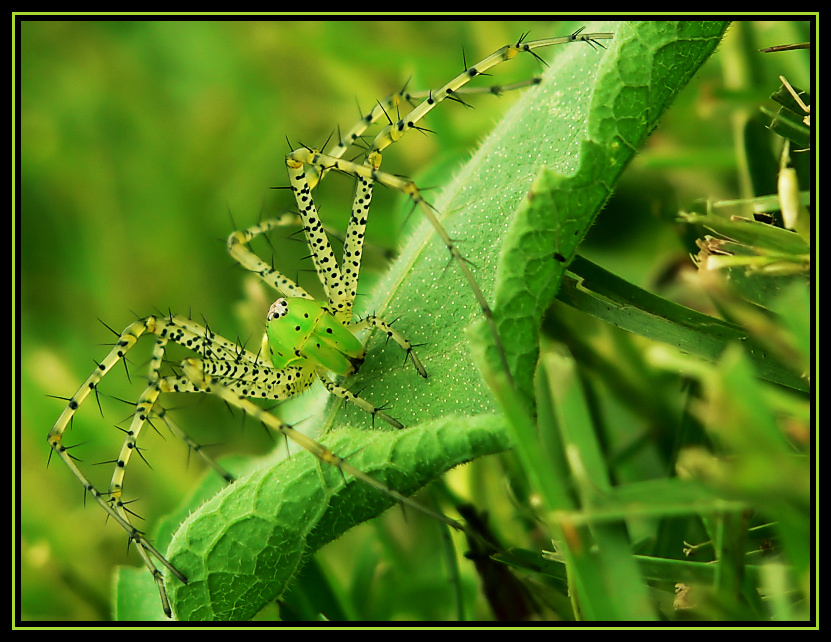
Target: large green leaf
(244,546)
(648,64)
(593,110)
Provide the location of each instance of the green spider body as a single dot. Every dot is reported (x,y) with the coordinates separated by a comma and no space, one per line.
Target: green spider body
(305,333)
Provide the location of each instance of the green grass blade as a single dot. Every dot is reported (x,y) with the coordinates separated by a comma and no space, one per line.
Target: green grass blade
(606,296)
(598,554)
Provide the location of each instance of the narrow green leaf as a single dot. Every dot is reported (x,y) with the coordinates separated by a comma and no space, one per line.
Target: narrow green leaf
(603,559)
(608,297)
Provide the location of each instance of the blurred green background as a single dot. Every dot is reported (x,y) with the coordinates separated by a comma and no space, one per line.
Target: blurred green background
(144,143)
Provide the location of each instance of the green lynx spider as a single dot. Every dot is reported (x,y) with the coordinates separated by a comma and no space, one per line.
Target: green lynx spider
(305,339)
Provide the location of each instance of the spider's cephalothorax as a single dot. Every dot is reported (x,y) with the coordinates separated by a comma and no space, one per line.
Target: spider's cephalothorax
(305,339)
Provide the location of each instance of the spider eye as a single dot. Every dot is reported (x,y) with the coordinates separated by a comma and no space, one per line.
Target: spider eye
(278,309)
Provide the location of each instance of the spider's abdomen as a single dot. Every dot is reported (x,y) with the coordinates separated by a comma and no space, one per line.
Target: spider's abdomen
(305,332)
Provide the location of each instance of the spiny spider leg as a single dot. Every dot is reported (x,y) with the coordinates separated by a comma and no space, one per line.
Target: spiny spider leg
(307,166)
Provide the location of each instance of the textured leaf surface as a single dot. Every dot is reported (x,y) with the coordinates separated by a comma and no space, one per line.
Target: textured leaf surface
(243,547)
(646,66)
